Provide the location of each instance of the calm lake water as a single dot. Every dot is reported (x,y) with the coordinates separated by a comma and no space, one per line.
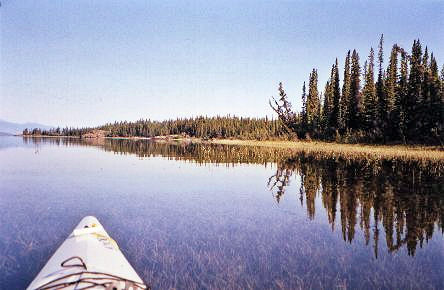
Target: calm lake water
(207,216)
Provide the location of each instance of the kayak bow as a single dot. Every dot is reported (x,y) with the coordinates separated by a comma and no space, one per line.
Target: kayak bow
(88,259)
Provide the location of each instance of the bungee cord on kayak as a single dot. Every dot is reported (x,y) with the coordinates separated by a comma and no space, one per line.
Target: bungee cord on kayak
(63,264)
(88,259)
(113,282)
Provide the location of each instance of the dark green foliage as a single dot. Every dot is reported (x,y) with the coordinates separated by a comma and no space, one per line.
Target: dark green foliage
(390,128)
(354,106)
(336,95)
(400,107)
(414,112)
(345,98)
(304,111)
(404,105)
(202,127)
(369,99)
(313,104)
(330,108)
(327,108)
(382,118)
(433,103)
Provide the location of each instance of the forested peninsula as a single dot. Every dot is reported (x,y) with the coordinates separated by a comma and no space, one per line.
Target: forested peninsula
(398,103)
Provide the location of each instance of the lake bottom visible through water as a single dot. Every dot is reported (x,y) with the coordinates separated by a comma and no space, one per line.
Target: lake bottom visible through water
(211,217)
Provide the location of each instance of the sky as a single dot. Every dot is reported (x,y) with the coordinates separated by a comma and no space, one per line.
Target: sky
(85,63)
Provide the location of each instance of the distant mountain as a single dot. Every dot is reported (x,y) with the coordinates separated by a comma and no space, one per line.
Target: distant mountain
(6,134)
(9,128)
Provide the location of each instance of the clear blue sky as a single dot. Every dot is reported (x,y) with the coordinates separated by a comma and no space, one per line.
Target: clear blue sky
(83,62)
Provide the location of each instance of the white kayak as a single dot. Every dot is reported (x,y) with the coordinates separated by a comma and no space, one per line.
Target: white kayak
(88,259)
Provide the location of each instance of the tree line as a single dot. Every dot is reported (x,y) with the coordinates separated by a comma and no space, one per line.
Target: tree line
(404,104)
(201,127)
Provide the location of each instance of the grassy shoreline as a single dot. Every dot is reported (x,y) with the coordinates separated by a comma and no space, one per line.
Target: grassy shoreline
(327,149)
(434,153)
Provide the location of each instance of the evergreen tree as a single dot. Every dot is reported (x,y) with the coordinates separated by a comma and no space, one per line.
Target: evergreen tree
(399,113)
(414,96)
(354,108)
(369,96)
(318,127)
(283,108)
(441,122)
(330,109)
(390,93)
(382,117)
(345,98)
(304,111)
(442,83)
(336,95)
(327,108)
(424,106)
(313,102)
(436,104)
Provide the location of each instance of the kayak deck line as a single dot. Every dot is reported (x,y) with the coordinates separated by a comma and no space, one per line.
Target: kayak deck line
(88,259)
(63,264)
(88,281)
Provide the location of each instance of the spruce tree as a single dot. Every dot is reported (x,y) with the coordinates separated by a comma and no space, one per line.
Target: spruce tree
(327,108)
(354,108)
(424,106)
(382,118)
(304,112)
(282,107)
(313,102)
(390,93)
(336,94)
(369,96)
(345,98)
(331,102)
(441,123)
(319,116)
(436,104)
(442,83)
(399,113)
(414,96)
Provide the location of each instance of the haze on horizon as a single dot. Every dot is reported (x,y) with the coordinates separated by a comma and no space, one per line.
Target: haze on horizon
(84,63)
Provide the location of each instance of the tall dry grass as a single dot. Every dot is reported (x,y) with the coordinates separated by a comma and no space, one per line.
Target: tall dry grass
(350,151)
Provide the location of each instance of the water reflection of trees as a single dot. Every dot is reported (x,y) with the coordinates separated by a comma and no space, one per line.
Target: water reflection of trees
(200,153)
(404,199)
(195,152)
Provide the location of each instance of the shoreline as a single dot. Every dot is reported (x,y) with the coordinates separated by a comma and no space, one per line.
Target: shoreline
(332,149)
(328,149)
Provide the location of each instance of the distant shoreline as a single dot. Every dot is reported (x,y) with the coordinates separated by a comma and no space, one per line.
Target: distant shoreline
(115,137)
(328,149)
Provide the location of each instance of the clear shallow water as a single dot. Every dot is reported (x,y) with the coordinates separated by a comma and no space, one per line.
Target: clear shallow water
(209,217)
